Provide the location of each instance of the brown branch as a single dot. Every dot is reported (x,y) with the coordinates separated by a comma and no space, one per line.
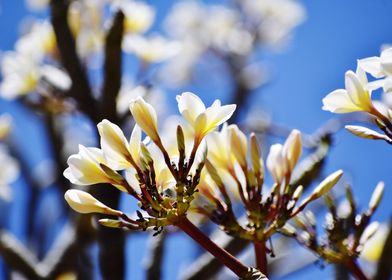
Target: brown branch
(206,266)
(111,240)
(80,89)
(112,67)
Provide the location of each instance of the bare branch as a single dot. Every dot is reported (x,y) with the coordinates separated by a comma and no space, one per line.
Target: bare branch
(80,89)
(112,67)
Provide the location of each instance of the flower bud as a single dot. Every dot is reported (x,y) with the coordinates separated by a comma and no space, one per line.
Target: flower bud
(111,223)
(376,196)
(146,117)
(326,185)
(292,148)
(238,144)
(255,154)
(367,133)
(84,203)
(276,164)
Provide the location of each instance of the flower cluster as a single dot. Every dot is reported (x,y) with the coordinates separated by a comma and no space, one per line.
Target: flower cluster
(235,165)
(346,230)
(356,97)
(164,182)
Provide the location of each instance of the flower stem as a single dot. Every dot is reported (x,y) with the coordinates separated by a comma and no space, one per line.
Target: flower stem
(225,257)
(353,267)
(261,257)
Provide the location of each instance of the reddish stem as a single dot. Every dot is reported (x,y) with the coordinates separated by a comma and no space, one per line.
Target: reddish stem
(261,256)
(221,254)
(353,267)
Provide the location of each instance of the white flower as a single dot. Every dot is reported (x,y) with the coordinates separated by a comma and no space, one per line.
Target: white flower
(151,49)
(378,67)
(138,15)
(202,119)
(85,168)
(117,151)
(354,98)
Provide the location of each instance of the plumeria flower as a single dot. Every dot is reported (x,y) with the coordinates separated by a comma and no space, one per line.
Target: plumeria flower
(354,98)
(152,49)
(89,167)
(202,119)
(119,153)
(138,15)
(378,67)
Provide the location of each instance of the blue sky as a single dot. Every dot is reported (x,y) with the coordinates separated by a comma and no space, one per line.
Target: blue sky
(335,34)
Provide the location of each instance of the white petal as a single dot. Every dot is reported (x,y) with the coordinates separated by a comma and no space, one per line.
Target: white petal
(192,104)
(386,61)
(371,65)
(338,101)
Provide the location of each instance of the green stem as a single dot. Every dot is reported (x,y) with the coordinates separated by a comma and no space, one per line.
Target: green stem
(221,254)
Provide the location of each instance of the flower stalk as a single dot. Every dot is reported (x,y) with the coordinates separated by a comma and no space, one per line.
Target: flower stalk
(225,257)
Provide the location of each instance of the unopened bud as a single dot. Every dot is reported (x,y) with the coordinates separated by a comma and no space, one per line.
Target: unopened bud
(288,230)
(367,133)
(326,185)
(376,196)
(255,154)
(180,140)
(146,117)
(238,144)
(111,223)
(84,203)
(292,148)
(297,193)
(369,232)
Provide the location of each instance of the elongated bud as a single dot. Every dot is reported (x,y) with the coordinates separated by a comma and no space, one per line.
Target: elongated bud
(369,232)
(288,230)
(238,144)
(213,173)
(146,117)
(276,164)
(367,133)
(297,193)
(326,185)
(292,148)
(376,196)
(255,154)
(146,154)
(111,223)
(84,203)
(180,140)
